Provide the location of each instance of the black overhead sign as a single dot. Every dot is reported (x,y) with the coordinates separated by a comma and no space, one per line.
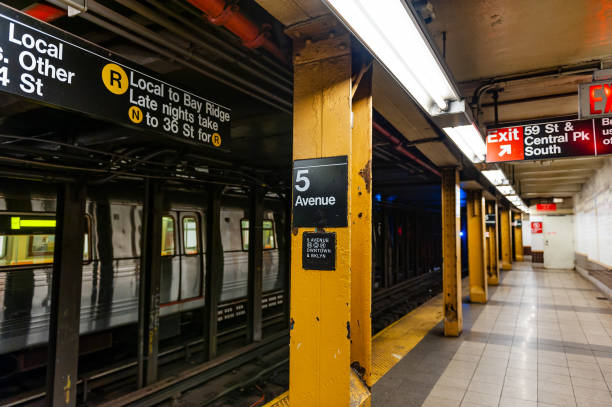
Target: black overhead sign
(544,141)
(48,65)
(320,187)
(319,251)
(490,219)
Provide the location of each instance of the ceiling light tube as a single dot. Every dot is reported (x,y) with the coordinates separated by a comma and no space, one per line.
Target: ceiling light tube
(469,141)
(506,189)
(393,35)
(496,177)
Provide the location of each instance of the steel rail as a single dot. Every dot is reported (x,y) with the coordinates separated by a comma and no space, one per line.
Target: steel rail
(166,388)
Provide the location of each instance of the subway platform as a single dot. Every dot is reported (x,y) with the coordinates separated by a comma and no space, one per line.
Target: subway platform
(543,339)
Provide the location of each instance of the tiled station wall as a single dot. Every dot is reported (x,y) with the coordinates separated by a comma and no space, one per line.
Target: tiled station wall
(526,229)
(593,225)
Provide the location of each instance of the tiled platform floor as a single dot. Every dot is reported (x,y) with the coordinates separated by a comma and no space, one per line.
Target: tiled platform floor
(544,339)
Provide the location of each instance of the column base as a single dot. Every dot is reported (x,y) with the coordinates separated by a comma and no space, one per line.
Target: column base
(452,329)
(478,297)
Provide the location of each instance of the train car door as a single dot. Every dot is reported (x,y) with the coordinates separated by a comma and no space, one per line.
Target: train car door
(191,255)
(170,260)
(182,257)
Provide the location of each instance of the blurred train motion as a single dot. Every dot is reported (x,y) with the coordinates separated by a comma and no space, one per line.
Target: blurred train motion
(111,259)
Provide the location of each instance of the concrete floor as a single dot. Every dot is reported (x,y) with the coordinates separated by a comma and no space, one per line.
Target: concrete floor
(543,339)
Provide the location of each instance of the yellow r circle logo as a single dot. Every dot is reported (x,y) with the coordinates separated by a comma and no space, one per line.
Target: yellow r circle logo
(216,139)
(115,79)
(135,114)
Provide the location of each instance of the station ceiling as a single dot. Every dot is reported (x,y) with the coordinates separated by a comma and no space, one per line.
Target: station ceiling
(535,53)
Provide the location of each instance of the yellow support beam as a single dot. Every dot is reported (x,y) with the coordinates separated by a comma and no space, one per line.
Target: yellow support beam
(505,232)
(492,244)
(361,221)
(451,252)
(476,246)
(325,305)
(518,237)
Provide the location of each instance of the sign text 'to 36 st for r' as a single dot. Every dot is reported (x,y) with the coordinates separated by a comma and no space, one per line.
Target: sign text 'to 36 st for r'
(45,64)
(320,187)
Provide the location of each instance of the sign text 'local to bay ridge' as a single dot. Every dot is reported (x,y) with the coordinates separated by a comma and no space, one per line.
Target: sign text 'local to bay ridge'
(45,64)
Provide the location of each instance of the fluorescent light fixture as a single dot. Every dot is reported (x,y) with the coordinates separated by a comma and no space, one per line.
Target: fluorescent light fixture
(506,190)
(497,177)
(515,199)
(518,202)
(392,34)
(469,141)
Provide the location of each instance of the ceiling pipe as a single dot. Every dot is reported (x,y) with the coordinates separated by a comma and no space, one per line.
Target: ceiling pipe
(195,39)
(558,71)
(44,12)
(397,144)
(164,48)
(219,12)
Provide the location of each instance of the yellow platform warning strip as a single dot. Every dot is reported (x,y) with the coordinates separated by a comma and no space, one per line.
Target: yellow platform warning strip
(394,342)
(280,401)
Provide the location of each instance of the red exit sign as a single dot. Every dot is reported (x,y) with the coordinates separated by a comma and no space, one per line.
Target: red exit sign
(505,144)
(546,207)
(595,99)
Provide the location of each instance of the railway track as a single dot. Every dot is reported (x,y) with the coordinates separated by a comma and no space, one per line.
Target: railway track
(390,304)
(239,376)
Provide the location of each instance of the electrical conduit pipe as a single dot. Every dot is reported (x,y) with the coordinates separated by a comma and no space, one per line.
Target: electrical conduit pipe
(397,144)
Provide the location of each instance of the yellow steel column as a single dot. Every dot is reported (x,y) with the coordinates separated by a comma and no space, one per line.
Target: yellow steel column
(361,220)
(476,246)
(492,245)
(451,252)
(506,238)
(320,345)
(518,236)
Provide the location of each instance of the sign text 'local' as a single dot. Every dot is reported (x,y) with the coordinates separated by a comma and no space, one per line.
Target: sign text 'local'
(48,65)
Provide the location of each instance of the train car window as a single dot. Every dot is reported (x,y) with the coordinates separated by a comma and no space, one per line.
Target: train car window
(190,235)
(244,230)
(168,247)
(30,240)
(41,246)
(87,241)
(269,239)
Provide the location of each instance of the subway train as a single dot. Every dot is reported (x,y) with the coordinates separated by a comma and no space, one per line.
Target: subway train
(111,258)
